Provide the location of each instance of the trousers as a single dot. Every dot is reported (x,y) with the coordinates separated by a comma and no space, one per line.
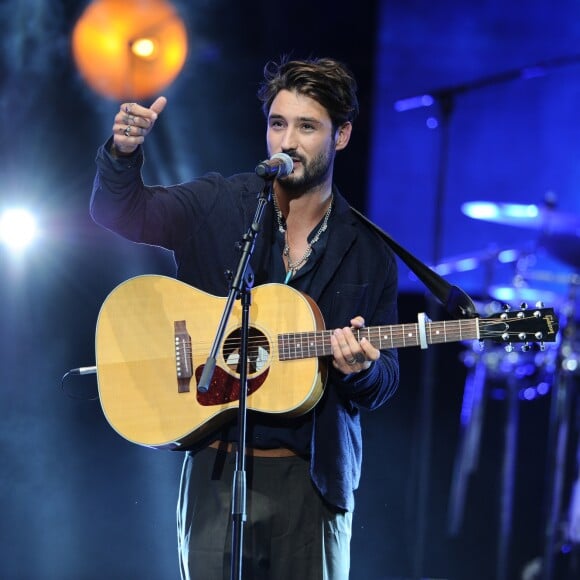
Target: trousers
(290,531)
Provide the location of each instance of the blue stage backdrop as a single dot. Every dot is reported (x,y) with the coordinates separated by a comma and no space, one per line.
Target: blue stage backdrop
(502,127)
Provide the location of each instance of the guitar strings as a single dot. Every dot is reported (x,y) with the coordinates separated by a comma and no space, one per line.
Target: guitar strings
(306,344)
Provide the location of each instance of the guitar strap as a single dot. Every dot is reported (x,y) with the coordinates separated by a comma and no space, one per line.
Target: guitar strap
(457,303)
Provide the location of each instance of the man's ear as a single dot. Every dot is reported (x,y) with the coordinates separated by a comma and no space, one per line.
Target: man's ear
(342,136)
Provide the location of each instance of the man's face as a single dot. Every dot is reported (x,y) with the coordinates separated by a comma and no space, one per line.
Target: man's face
(301,127)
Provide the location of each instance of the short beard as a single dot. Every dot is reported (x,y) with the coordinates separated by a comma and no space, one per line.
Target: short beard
(314,174)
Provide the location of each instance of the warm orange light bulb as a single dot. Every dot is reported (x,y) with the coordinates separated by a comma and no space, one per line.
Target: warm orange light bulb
(129,49)
(144,48)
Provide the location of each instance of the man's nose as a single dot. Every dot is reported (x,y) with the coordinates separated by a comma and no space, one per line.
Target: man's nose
(289,140)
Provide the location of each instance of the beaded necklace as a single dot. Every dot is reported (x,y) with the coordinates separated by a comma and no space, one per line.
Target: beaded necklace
(293,267)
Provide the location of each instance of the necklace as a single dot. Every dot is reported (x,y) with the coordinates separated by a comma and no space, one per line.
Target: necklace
(293,267)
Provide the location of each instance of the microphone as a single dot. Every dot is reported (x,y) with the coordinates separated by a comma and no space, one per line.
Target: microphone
(279,165)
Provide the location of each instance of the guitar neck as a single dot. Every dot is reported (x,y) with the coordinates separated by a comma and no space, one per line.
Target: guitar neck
(297,345)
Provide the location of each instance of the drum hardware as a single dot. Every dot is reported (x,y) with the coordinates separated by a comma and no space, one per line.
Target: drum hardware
(514,376)
(544,217)
(496,372)
(564,396)
(559,231)
(517,377)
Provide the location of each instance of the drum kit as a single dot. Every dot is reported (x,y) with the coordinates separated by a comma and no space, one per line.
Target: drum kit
(517,377)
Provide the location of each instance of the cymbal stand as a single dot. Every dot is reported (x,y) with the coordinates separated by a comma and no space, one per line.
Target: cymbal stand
(467,457)
(471,422)
(562,396)
(508,477)
(573,515)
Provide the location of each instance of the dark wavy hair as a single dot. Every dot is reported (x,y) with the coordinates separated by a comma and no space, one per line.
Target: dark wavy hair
(327,81)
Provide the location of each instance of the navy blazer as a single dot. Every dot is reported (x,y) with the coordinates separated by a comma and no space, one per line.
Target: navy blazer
(200,222)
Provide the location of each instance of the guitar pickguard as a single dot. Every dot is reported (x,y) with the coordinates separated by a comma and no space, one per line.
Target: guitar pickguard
(225,388)
(225,383)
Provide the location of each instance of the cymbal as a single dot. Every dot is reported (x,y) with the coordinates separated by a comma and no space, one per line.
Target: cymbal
(529,216)
(472,261)
(564,247)
(517,295)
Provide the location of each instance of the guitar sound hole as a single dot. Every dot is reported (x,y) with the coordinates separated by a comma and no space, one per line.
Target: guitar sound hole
(258,351)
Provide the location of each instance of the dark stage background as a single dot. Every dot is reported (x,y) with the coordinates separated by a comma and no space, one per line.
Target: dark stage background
(79,502)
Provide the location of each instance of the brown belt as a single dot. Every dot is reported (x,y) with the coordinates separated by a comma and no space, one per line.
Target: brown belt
(228,447)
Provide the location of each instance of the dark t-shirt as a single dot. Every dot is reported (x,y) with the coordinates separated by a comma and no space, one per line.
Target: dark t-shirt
(265,431)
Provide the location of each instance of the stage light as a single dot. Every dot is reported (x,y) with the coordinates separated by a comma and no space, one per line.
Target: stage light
(144,48)
(17,228)
(129,49)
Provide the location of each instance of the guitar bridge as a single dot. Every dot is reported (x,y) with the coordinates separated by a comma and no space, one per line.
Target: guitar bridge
(183,360)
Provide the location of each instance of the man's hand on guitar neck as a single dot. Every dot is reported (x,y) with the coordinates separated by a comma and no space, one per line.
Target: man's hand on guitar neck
(350,355)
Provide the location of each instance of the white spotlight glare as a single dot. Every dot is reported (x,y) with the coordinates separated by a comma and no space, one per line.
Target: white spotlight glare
(17,228)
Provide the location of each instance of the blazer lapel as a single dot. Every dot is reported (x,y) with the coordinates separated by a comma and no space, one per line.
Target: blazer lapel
(341,236)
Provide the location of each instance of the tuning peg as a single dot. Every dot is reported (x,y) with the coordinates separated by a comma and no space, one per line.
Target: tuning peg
(481,345)
(542,346)
(506,307)
(524,305)
(539,304)
(509,347)
(526,347)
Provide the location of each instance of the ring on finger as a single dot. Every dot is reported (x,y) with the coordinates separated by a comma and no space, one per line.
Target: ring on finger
(359,357)
(127,130)
(351,362)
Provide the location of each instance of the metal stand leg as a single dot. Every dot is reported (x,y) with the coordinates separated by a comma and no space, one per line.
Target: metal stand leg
(559,433)
(508,480)
(466,460)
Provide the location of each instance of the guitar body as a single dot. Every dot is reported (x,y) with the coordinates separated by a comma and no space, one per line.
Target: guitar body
(153,337)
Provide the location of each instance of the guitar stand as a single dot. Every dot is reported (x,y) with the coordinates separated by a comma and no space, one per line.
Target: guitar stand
(240,288)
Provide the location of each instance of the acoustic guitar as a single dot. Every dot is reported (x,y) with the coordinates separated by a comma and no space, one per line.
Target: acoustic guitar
(154,335)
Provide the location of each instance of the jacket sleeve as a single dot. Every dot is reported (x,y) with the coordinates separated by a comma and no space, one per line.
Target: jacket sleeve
(156,215)
(371,388)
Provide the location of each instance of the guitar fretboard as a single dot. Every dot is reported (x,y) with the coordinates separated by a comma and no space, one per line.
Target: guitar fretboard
(297,345)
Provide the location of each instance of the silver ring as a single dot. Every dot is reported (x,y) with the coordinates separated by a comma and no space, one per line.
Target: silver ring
(351,362)
(360,357)
(127,130)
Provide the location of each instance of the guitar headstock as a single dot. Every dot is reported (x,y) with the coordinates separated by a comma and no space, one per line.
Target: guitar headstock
(533,325)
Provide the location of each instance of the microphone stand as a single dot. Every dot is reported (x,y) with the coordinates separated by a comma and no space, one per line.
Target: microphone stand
(429,363)
(531,71)
(240,287)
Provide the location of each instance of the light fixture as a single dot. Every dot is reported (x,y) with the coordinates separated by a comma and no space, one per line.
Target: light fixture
(129,49)
(144,48)
(17,228)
